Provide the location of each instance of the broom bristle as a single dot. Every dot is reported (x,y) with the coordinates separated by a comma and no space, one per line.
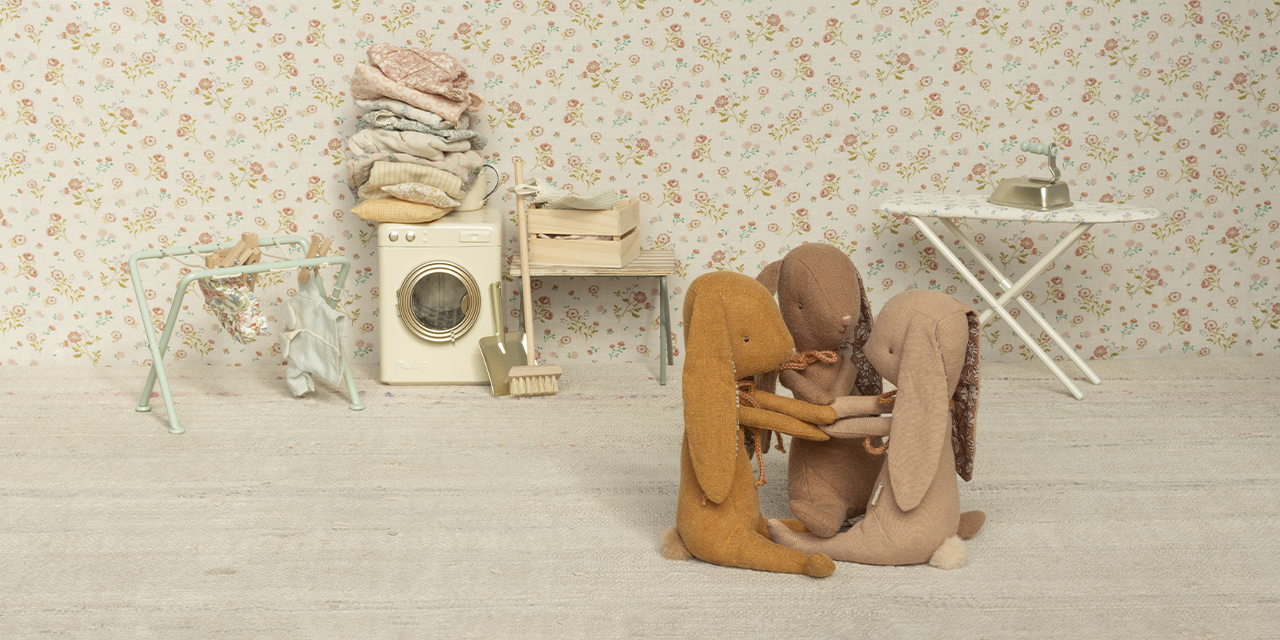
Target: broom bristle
(538,380)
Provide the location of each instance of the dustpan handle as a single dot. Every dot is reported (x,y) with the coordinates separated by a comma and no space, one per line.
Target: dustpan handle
(495,293)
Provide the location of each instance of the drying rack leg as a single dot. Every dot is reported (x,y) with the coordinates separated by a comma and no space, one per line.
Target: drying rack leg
(158,348)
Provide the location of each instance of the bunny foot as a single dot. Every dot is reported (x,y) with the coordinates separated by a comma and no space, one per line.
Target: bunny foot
(823,520)
(970,523)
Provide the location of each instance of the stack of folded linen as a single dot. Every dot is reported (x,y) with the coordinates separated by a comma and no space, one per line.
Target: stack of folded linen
(413,156)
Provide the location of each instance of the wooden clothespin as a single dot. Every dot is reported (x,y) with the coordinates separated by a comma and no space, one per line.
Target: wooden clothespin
(304,275)
(319,248)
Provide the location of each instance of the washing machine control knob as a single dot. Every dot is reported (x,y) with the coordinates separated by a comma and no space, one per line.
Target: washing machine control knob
(409,236)
(393,236)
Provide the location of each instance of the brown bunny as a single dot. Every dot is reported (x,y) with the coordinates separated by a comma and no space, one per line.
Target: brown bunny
(733,330)
(927,344)
(824,304)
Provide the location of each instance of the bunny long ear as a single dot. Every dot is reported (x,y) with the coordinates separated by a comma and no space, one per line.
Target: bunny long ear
(710,397)
(921,415)
(964,412)
(769,276)
(868,381)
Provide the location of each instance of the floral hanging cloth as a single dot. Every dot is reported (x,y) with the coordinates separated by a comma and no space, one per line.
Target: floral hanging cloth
(232,302)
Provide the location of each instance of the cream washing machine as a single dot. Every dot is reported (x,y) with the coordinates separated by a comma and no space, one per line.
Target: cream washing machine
(433,307)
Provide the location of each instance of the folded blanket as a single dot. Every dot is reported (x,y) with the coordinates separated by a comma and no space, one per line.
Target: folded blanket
(385,172)
(368,83)
(388,120)
(422,70)
(412,112)
(423,145)
(465,166)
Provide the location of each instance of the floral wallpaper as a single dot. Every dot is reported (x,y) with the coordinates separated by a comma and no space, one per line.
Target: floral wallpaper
(745,127)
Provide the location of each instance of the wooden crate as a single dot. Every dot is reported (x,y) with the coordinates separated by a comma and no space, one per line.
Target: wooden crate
(615,252)
(610,222)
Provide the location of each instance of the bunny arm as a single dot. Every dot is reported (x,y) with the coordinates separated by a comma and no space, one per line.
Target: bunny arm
(786,415)
(850,406)
(857,428)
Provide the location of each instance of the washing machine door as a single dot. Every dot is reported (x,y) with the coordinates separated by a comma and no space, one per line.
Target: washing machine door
(439,301)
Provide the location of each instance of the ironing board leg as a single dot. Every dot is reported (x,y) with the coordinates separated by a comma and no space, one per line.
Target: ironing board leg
(664,323)
(1015,289)
(996,307)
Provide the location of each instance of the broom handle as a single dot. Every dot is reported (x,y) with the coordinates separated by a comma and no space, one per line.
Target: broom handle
(526,293)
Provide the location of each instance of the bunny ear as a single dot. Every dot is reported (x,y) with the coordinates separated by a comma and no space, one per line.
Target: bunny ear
(769,276)
(921,415)
(868,381)
(710,397)
(964,411)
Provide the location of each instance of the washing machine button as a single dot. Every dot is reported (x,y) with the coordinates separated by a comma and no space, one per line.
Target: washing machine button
(478,237)
(393,236)
(409,236)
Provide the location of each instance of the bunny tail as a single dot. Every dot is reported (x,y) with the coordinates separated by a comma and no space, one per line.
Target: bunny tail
(673,547)
(950,555)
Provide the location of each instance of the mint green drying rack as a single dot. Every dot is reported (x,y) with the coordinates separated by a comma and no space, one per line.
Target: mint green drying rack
(158,347)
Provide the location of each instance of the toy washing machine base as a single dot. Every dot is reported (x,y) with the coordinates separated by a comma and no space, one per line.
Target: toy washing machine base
(433,306)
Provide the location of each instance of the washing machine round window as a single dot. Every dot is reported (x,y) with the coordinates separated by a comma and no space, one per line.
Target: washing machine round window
(439,301)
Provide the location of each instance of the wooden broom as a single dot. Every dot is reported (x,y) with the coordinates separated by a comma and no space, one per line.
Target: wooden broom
(532,379)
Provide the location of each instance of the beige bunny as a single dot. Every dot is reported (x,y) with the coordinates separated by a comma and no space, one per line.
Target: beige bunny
(927,344)
(733,330)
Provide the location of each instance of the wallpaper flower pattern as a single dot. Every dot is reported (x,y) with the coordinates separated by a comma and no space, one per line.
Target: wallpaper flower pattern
(746,128)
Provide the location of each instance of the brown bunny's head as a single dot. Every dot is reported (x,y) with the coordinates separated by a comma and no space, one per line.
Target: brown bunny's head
(732,330)
(824,303)
(927,344)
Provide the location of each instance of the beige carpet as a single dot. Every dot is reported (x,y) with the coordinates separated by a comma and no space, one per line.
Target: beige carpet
(1151,509)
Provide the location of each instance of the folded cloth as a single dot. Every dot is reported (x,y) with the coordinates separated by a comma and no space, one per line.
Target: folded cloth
(386,174)
(422,70)
(412,112)
(421,194)
(535,192)
(465,165)
(395,210)
(423,145)
(389,121)
(312,340)
(368,83)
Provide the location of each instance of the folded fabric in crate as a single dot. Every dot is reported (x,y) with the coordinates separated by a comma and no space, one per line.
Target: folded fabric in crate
(551,198)
(423,145)
(421,69)
(411,112)
(368,82)
(238,311)
(421,194)
(396,210)
(389,121)
(465,166)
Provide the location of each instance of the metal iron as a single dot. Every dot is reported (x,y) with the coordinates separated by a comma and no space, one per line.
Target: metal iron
(1034,194)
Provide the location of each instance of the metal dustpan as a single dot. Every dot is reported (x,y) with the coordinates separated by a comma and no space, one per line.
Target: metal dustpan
(1034,194)
(502,350)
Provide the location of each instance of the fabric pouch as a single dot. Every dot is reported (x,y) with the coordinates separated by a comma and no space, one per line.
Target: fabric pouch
(235,307)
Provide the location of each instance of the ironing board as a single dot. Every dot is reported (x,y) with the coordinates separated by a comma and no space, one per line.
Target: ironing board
(948,208)
(658,263)
(158,346)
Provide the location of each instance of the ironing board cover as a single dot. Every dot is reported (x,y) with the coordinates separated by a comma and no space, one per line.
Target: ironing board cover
(235,307)
(940,205)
